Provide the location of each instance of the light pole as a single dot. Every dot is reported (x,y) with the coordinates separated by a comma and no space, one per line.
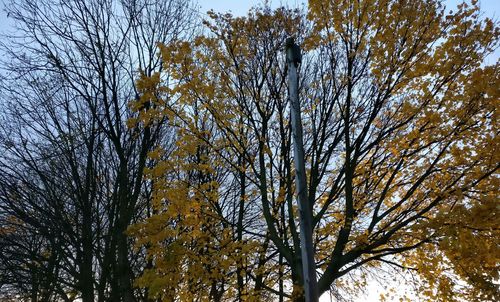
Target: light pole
(293,59)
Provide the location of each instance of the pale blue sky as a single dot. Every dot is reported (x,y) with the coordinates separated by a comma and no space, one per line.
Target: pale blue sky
(491,8)
(240,7)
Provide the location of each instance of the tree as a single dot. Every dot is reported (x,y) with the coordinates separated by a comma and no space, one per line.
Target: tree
(400,131)
(71,172)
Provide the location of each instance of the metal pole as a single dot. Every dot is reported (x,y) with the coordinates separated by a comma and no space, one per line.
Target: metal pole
(293,58)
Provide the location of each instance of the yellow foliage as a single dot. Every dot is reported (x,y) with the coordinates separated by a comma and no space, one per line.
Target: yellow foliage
(399,98)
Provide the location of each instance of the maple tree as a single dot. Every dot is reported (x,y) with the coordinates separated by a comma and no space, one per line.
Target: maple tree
(400,131)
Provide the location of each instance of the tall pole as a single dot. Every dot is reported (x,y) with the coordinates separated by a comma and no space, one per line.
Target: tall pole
(293,59)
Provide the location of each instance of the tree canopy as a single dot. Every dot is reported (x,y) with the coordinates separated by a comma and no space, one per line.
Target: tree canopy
(146,156)
(400,130)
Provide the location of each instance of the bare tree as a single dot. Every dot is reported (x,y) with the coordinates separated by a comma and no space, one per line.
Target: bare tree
(71,171)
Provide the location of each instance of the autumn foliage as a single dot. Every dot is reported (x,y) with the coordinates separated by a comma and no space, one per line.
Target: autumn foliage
(180,185)
(401,139)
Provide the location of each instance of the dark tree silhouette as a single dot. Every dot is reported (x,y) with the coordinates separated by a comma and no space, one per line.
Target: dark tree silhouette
(71,171)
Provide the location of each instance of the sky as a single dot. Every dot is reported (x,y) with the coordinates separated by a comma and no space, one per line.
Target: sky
(491,8)
(240,7)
